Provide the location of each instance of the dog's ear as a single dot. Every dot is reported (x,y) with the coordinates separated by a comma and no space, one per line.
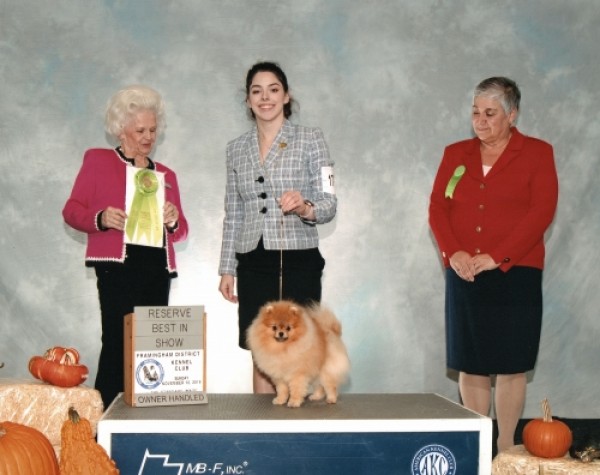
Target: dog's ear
(294,309)
(269,308)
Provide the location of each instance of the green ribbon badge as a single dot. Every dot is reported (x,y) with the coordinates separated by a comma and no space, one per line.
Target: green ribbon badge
(458,174)
(144,215)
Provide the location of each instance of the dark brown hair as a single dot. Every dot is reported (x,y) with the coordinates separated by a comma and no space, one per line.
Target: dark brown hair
(270,67)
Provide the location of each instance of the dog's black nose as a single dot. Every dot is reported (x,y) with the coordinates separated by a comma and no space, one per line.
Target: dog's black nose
(281,337)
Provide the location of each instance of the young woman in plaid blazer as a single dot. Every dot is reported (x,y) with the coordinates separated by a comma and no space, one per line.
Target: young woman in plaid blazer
(279,187)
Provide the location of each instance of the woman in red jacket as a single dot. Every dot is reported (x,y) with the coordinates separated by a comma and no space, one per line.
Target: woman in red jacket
(493,198)
(129,274)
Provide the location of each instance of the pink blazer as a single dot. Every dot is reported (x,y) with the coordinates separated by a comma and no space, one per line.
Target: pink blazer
(101,183)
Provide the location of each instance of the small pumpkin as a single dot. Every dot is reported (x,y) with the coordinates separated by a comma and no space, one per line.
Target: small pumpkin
(59,366)
(25,451)
(79,452)
(547,437)
(59,353)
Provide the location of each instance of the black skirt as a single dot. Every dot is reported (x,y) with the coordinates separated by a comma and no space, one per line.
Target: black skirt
(258,273)
(493,325)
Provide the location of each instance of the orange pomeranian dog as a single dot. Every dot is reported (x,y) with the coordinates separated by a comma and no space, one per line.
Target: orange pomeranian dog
(300,349)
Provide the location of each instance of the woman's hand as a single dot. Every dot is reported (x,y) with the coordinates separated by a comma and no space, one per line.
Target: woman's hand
(462,263)
(170,214)
(483,262)
(113,218)
(226,287)
(293,202)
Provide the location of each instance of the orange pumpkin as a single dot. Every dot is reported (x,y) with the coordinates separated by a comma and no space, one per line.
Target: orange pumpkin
(79,452)
(60,367)
(25,451)
(547,437)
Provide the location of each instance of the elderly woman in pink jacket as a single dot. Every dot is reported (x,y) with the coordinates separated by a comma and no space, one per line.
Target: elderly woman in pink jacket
(131,270)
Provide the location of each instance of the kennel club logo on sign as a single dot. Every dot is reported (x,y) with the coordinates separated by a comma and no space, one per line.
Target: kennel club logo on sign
(165,358)
(434,460)
(149,374)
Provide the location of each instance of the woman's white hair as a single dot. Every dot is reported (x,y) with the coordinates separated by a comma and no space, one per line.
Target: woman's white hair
(124,104)
(502,89)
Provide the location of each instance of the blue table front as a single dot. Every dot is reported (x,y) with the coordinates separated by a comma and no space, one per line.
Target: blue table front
(404,453)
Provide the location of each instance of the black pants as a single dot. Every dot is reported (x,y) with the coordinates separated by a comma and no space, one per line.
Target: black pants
(258,281)
(120,289)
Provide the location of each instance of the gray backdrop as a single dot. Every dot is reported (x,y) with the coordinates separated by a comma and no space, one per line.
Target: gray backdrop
(390,84)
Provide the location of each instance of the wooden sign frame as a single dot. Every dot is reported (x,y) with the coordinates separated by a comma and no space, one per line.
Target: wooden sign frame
(165,356)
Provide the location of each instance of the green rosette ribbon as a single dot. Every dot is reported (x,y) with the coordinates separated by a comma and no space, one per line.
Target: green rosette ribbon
(456,176)
(144,215)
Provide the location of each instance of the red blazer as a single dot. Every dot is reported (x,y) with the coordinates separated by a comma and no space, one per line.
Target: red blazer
(101,183)
(503,214)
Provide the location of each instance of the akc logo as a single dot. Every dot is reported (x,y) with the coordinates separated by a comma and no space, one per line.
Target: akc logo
(149,374)
(434,460)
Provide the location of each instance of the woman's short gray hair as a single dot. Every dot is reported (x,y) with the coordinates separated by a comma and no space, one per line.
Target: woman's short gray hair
(127,102)
(502,89)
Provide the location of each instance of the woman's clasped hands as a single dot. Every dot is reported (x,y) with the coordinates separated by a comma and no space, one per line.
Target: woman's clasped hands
(467,266)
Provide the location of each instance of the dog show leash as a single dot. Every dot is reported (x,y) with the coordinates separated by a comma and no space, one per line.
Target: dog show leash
(281,257)
(282,146)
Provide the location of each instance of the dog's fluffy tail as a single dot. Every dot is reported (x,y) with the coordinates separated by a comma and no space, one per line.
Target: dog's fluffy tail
(325,318)
(337,365)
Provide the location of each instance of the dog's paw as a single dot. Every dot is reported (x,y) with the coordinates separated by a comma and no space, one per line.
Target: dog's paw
(317,395)
(295,402)
(279,401)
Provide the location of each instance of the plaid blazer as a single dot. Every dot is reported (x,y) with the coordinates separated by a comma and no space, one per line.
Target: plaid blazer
(298,160)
